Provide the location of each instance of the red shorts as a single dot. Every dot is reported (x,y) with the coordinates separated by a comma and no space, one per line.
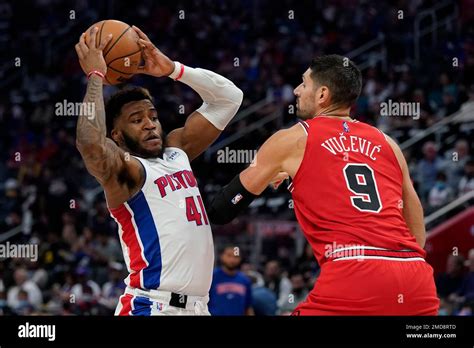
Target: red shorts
(372,287)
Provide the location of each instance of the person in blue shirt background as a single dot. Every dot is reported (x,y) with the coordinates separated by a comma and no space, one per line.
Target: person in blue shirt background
(231,290)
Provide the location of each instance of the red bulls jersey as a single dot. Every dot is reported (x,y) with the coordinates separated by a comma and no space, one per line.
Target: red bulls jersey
(347,193)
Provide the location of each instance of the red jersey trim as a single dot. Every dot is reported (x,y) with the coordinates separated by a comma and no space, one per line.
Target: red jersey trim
(366,252)
(304,161)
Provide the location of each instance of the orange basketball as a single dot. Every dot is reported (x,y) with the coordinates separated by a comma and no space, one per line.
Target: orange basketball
(122,54)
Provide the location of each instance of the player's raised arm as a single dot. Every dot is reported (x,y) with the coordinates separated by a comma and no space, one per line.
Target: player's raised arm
(278,154)
(101,155)
(221,99)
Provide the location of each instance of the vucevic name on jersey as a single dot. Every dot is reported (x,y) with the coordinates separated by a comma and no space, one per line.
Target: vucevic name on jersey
(348,191)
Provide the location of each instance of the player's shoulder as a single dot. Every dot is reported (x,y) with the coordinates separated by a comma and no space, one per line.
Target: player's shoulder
(368,126)
(283,142)
(172,153)
(289,135)
(175,157)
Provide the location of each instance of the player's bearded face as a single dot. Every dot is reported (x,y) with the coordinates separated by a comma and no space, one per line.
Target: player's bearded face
(141,132)
(305,97)
(143,147)
(305,104)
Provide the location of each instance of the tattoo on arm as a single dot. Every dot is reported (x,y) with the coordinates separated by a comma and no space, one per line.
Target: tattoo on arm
(91,132)
(91,128)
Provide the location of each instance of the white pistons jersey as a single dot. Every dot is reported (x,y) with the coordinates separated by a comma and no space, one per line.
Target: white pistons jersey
(164,230)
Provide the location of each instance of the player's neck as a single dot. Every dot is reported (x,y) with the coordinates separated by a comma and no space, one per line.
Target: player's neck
(335,112)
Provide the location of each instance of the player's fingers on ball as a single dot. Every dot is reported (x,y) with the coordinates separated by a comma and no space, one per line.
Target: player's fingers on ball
(146,44)
(83,44)
(91,37)
(146,54)
(79,52)
(140,33)
(105,42)
(153,54)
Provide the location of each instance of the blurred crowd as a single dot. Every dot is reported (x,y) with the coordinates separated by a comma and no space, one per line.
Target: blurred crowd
(240,288)
(46,192)
(456,285)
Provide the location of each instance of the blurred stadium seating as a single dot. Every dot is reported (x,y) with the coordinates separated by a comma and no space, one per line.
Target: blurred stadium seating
(48,198)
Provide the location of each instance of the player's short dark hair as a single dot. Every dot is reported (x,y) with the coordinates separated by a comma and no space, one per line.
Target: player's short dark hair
(114,104)
(340,75)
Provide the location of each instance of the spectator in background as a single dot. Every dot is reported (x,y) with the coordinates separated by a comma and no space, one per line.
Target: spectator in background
(65,296)
(277,282)
(427,169)
(105,250)
(449,105)
(24,285)
(263,299)
(24,306)
(456,159)
(466,183)
(10,212)
(441,193)
(4,308)
(449,282)
(86,292)
(298,294)
(445,307)
(465,294)
(231,290)
(307,264)
(114,288)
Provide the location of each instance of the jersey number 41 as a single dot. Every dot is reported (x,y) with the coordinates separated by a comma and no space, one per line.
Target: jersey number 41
(199,216)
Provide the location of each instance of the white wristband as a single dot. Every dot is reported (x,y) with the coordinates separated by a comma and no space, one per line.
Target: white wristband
(177,72)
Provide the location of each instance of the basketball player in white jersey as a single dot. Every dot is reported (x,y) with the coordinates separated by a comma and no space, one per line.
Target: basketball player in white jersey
(149,185)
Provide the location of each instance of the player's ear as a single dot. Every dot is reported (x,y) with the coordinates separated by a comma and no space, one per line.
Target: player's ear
(323,95)
(116,135)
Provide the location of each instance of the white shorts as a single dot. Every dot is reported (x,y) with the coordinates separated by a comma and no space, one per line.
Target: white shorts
(158,302)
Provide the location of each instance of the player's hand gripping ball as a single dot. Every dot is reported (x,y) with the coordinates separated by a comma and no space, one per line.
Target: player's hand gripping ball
(118,45)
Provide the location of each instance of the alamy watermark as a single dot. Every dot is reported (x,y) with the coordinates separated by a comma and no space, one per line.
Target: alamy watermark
(391,108)
(344,250)
(66,108)
(24,251)
(28,330)
(227,155)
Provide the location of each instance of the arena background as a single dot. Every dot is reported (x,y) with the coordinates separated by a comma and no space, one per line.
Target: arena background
(409,51)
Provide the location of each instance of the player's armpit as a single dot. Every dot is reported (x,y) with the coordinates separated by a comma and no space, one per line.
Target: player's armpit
(195,137)
(412,208)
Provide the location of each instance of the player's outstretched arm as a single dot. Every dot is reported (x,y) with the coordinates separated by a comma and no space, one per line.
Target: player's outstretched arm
(412,208)
(102,157)
(276,155)
(221,99)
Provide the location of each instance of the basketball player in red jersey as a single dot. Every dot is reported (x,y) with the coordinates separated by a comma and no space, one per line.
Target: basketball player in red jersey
(353,198)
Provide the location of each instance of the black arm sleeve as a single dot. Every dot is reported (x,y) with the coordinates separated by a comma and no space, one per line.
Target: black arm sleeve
(229,202)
